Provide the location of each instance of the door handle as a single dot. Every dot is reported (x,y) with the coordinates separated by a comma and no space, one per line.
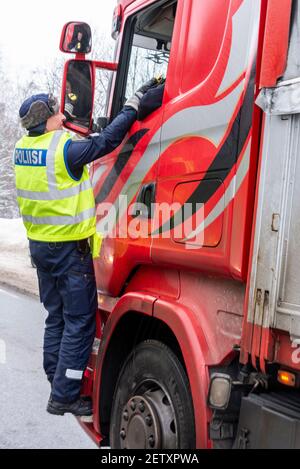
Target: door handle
(146,196)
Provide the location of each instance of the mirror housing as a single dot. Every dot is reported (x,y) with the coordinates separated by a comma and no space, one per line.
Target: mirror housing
(76,37)
(77,96)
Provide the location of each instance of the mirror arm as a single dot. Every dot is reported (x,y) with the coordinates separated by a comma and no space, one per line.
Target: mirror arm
(106,65)
(79,56)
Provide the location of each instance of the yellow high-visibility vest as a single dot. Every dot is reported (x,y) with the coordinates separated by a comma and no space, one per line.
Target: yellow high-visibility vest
(53,204)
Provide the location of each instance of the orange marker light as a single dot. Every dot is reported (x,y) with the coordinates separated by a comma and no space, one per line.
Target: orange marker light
(284,377)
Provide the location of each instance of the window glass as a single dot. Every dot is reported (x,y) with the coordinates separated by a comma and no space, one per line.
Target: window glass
(103,78)
(151,44)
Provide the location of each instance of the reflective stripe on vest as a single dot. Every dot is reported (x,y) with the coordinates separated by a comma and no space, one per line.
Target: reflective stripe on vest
(54,206)
(53,194)
(61,220)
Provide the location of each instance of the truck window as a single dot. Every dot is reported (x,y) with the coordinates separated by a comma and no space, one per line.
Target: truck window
(151,39)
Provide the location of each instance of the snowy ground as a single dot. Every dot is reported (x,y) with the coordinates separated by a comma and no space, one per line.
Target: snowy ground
(15,266)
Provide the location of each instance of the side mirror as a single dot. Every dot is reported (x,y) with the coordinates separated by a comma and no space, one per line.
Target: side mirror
(76,38)
(78,93)
(77,96)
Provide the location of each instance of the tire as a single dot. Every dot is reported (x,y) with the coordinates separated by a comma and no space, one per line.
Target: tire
(152,406)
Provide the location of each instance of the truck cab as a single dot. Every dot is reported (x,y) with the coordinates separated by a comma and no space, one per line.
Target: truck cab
(197,326)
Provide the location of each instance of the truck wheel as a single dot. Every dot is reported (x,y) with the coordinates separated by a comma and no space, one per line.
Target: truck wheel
(152,406)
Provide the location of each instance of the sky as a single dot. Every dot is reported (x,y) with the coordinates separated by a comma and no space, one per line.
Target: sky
(30,30)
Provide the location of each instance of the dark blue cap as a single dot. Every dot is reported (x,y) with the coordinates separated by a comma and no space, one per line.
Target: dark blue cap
(37,109)
(29,101)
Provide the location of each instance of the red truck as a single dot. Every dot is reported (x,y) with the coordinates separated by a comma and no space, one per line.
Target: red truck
(198,327)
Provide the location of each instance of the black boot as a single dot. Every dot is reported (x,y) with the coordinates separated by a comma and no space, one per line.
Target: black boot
(81,407)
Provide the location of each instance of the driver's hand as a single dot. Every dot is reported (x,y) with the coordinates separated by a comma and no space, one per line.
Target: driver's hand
(134,101)
(148,85)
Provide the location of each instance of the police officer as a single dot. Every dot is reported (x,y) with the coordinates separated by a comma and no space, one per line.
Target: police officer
(57,205)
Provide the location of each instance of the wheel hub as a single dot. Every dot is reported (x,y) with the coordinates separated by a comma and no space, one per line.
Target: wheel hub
(148,422)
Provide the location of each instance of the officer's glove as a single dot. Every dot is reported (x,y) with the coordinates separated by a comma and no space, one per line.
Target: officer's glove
(134,101)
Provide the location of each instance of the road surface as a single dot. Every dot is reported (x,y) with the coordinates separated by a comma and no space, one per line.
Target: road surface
(24,389)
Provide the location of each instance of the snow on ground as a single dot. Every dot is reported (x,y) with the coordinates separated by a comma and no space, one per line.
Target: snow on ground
(15,265)
(13,233)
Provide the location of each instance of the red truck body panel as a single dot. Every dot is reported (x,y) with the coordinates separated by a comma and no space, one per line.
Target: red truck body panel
(211,93)
(276,42)
(201,146)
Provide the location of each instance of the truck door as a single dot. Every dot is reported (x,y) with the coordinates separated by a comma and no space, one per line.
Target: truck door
(128,174)
(203,169)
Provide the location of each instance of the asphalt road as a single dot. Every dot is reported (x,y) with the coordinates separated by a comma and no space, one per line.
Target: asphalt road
(24,389)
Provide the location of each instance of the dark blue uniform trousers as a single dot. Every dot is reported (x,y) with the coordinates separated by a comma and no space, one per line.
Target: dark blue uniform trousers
(68,291)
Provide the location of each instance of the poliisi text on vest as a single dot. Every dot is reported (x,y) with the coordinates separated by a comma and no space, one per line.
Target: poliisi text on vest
(30,157)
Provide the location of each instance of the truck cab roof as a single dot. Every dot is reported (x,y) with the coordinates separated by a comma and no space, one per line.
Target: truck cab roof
(125,3)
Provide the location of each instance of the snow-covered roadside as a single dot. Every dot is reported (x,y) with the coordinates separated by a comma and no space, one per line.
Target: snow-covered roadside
(15,267)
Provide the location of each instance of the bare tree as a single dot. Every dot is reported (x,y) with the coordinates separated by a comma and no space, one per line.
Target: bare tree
(142,67)
(103,50)
(10,131)
(52,76)
(11,97)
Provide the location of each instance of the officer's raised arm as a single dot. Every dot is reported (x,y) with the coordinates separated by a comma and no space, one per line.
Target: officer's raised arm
(82,152)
